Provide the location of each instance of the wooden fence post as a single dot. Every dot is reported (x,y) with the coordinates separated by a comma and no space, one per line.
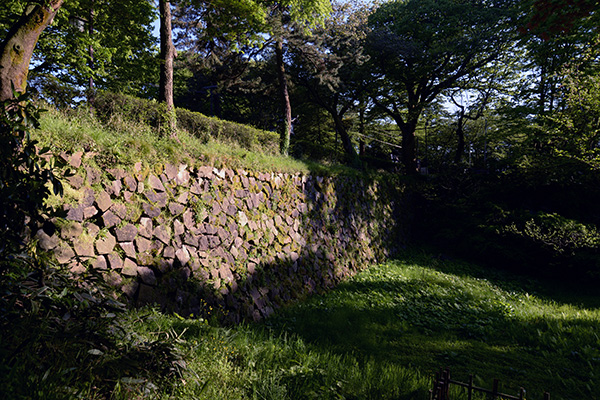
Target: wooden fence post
(495,389)
(470,388)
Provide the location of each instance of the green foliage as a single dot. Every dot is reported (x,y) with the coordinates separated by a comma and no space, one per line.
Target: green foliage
(532,220)
(26,177)
(421,48)
(559,234)
(61,336)
(109,42)
(574,132)
(378,336)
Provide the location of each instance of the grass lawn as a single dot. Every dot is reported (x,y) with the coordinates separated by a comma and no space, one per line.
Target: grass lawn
(380,335)
(383,334)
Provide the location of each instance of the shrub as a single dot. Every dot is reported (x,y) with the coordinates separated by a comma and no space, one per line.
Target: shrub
(24,175)
(113,105)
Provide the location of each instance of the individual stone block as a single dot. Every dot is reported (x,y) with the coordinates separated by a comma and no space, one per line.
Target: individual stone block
(163,234)
(147,275)
(183,176)
(143,245)
(114,261)
(155,183)
(110,219)
(129,268)
(120,210)
(145,228)
(92,229)
(89,197)
(128,196)
(77,268)
(230,210)
(176,208)
(127,233)
(213,242)
(89,212)
(188,220)
(203,243)
(190,239)
(75,160)
(100,263)
(103,201)
(151,210)
(171,171)
(169,252)
(182,255)
(178,227)
(183,198)
(64,253)
(46,242)
(130,183)
(114,188)
(128,248)
(84,247)
(205,172)
(71,230)
(74,213)
(76,181)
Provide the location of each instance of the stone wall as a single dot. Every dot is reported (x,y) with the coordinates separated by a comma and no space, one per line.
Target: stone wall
(200,239)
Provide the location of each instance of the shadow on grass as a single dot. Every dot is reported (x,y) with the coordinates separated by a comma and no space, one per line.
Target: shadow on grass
(442,317)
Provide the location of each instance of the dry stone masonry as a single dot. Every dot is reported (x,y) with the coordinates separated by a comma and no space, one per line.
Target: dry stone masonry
(242,242)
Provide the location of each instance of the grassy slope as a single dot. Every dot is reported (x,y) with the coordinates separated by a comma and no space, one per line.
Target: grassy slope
(122,143)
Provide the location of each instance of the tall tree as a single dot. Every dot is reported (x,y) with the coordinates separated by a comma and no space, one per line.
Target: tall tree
(421,48)
(288,16)
(330,65)
(243,24)
(167,54)
(17,48)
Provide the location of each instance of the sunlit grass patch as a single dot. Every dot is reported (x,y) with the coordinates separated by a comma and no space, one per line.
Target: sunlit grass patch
(427,313)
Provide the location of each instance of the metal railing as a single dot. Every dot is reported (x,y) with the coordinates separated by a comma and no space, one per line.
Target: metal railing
(442,382)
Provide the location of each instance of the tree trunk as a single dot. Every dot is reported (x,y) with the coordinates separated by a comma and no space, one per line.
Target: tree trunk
(409,148)
(284,97)
(167,53)
(460,137)
(17,48)
(91,94)
(346,141)
(361,130)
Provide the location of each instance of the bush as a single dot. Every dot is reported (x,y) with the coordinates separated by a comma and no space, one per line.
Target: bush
(542,229)
(112,105)
(25,176)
